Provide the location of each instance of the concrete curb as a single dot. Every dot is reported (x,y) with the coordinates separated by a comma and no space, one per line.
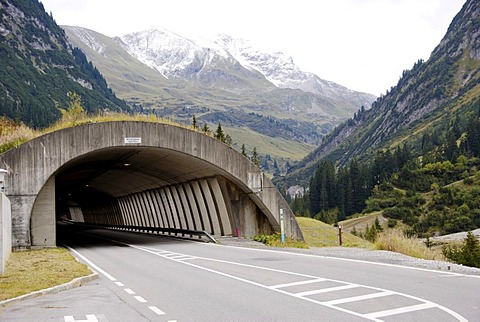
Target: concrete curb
(79,281)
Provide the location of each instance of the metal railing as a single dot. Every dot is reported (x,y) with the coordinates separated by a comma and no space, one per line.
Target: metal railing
(152,230)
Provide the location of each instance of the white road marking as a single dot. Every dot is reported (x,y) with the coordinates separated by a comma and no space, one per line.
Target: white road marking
(318,280)
(92,265)
(90,318)
(156,310)
(110,277)
(406,309)
(186,258)
(140,299)
(349,260)
(129,291)
(326,290)
(359,298)
(424,304)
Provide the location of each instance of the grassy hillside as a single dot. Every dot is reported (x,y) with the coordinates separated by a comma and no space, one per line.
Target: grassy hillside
(319,234)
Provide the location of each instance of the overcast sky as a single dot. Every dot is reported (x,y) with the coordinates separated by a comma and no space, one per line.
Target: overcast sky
(361,44)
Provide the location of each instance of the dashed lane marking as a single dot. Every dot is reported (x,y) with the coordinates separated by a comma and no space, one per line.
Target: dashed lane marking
(140,299)
(156,310)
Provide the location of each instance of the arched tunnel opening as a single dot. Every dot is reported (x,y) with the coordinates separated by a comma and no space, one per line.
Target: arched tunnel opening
(130,188)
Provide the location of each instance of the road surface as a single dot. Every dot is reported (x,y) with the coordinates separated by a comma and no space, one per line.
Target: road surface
(152,278)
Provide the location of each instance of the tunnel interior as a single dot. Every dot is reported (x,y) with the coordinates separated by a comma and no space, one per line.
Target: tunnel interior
(154,187)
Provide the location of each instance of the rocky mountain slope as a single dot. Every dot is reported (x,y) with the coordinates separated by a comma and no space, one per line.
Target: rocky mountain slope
(427,99)
(260,98)
(38,67)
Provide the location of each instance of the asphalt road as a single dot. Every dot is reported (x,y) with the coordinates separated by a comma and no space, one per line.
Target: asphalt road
(145,278)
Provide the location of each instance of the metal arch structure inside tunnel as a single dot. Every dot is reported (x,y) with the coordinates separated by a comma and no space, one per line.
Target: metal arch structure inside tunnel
(138,174)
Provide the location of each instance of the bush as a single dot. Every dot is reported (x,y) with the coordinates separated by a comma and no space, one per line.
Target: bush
(275,240)
(391,222)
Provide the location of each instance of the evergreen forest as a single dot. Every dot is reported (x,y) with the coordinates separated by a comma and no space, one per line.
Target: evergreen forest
(432,185)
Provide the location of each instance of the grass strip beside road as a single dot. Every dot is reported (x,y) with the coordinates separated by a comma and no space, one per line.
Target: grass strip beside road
(34,270)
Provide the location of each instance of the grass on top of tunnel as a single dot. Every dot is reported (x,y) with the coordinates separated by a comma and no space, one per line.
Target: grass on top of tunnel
(33,270)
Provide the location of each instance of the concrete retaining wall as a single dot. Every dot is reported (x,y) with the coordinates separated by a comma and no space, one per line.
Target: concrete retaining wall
(5,231)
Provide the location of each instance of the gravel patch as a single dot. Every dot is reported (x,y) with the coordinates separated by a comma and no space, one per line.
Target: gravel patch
(378,256)
(456,237)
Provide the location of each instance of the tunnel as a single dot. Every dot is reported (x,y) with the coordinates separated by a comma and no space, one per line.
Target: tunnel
(134,175)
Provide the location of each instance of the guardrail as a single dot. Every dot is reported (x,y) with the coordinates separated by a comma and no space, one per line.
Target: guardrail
(169,231)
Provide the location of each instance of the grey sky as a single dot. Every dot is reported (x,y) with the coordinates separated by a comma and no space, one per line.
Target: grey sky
(361,44)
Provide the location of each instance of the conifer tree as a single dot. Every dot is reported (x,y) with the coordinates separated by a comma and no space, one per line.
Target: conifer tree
(255,159)
(219,135)
(194,122)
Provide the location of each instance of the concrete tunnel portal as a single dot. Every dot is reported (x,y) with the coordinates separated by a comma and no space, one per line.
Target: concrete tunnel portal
(138,174)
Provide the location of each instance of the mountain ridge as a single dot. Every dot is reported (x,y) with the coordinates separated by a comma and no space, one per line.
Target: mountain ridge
(427,97)
(39,66)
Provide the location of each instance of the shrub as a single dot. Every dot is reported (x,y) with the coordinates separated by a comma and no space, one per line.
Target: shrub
(391,222)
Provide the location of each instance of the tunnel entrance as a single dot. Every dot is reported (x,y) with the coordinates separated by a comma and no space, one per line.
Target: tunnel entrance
(138,173)
(152,187)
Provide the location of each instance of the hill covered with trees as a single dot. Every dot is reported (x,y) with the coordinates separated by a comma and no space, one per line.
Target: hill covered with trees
(414,156)
(38,67)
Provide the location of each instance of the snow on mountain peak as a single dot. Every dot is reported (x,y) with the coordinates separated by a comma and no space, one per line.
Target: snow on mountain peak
(90,40)
(164,50)
(176,56)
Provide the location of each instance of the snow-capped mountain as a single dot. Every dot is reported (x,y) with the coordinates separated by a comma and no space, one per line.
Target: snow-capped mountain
(262,97)
(176,56)
(280,69)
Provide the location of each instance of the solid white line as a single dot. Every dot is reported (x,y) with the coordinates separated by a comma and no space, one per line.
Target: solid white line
(326,290)
(445,309)
(129,291)
(358,298)
(348,260)
(119,283)
(92,265)
(140,299)
(401,310)
(156,310)
(317,280)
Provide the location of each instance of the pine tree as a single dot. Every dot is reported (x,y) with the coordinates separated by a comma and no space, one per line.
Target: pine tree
(255,159)
(205,128)
(194,122)
(219,135)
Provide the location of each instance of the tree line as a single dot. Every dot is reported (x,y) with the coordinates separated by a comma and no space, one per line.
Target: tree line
(394,181)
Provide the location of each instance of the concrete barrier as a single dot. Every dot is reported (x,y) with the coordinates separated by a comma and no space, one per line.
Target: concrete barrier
(5,231)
